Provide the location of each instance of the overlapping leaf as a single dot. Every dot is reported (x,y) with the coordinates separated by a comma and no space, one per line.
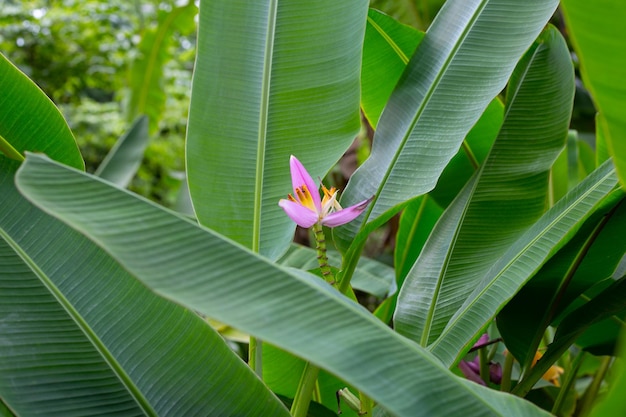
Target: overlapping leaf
(596,31)
(121,163)
(192,265)
(29,121)
(521,261)
(463,62)
(287,84)
(506,196)
(81,337)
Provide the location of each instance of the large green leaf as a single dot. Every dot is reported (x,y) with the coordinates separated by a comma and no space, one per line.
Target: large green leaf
(611,301)
(596,30)
(121,163)
(387,48)
(29,121)
(146,78)
(507,195)
(297,312)
(287,84)
(591,256)
(80,336)
(463,62)
(521,261)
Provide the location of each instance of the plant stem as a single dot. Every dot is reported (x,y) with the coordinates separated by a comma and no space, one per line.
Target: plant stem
(484,365)
(255,356)
(568,383)
(505,384)
(300,405)
(322,258)
(591,394)
(308,380)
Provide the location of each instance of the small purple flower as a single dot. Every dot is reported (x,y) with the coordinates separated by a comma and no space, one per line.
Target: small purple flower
(306,208)
(471,369)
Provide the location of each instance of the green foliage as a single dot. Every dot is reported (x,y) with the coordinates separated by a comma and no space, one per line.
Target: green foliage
(112,304)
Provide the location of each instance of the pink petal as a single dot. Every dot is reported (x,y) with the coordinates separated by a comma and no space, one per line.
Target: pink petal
(298,213)
(346,215)
(300,177)
(469,373)
(482,341)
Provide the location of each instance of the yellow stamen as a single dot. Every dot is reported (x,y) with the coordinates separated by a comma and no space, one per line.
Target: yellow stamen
(329,201)
(304,196)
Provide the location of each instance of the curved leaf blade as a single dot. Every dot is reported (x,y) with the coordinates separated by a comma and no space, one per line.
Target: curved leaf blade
(596,30)
(146,75)
(288,84)
(121,163)
(80,336)
(521,261)
(387,48)
(297,312)
(591,256)
(29,121)
(508,193)
(471,47)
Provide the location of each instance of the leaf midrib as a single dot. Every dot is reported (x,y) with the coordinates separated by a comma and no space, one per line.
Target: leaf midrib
(89,333)
(453,322)
(262,129)
(424,103)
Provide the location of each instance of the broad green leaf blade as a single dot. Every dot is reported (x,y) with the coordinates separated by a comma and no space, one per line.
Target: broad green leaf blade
(287,84)
(416,223)
(591,256)
(471,155)
(80,336)
(509,193)
(297,312)
(596,31)
(121,163)
(371,276)
(463,62)
(521,261)
(387,48)
(29,121)
(146,78)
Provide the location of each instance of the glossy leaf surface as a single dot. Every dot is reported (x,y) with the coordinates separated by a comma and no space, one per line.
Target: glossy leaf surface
(507,195)
(81,336)
(287,85)
(29,121)
(464,61)
(298,312)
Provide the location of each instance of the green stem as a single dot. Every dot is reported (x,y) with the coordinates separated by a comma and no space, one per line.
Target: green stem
(505,384)
(351,258)
(301,401)
(308,380)
(322,258)
(568,384)
(484,365)
(470,155)
(592,391)
(255,356)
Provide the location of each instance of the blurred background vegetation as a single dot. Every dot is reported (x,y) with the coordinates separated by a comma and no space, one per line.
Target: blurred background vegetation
(92,58)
